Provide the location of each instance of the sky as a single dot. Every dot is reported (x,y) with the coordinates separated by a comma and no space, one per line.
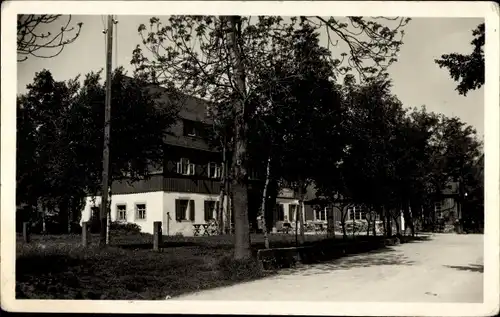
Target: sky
(417,80)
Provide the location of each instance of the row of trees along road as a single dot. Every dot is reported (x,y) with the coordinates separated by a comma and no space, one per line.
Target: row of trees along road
(274,91)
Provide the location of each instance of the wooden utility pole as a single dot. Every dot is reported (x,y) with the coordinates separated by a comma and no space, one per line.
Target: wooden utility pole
(107,126)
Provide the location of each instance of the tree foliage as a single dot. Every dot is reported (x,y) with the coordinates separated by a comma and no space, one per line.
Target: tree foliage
(236,62)
(33,38)
(467,70)
(60,136)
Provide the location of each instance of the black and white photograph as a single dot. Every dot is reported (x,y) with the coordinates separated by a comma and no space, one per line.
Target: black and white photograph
(250,157)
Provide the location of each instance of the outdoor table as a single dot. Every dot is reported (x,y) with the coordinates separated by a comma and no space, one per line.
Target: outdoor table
(318,227)
(196,229)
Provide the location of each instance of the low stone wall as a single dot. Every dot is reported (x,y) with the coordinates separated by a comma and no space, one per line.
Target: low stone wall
(322,251)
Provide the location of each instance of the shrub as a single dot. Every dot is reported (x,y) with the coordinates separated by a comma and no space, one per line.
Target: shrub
(125,228)
(237,270)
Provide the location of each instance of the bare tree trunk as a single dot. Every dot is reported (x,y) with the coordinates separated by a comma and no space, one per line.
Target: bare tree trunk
(263,204)
(229,212)
(44,224)
(368,223)
(388,222)
(223,191)
(301,213)
(108,208)
(70,218)
(408,218)
(396,215)
(343,214)
(353,221)
(239,186)
(330,224)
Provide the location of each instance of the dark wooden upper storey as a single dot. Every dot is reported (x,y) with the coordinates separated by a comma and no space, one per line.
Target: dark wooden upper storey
(191,164)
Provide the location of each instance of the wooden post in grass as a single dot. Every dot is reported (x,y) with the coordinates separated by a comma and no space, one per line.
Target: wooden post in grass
(26,232)
(157,235)
(85,234)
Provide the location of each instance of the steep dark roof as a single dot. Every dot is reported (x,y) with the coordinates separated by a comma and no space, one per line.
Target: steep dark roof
(190,108)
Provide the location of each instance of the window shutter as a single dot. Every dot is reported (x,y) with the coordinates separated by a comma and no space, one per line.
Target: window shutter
(290,212)
(191,210)
(207,210)
(178,210)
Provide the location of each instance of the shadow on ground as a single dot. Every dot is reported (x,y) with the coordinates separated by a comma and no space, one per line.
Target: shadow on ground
(471,268)
(385,256)
(409,239)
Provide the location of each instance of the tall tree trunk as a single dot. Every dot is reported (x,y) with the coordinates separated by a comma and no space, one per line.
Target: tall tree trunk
(301,212)
(239,186)
(368,218)
(263,203)
(408,217)
(353,221)
(330,222)
(387,222)
(229,210)
(375,214)
(396,217)
(70,218)
(221,211)
(44,224)
(108,208)
(343,214)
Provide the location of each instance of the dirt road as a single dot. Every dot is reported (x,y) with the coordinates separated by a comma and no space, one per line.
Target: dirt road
(447,268)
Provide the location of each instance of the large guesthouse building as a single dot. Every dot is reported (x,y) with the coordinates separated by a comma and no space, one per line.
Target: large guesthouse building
(184,193)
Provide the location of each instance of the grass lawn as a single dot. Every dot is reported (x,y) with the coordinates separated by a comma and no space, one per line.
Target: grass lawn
(57,267)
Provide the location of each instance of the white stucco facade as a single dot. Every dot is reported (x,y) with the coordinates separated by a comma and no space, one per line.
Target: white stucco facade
(160,206)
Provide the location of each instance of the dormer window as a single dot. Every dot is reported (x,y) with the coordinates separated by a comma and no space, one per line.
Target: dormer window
(185,167)
(190,128)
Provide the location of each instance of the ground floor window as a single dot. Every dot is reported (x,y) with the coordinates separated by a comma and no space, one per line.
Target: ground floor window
(121,212)
(292,211)
(280,212)
(356,213)
(320,214)
(140,211)
(184,210)
(94,213)
(210,211)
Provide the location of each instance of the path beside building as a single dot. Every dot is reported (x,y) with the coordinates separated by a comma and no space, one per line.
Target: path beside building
(447,268)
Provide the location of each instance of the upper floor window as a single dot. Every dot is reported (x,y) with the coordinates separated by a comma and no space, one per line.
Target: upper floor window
(195,129)
(214,170)
(190,128)
(185,167)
